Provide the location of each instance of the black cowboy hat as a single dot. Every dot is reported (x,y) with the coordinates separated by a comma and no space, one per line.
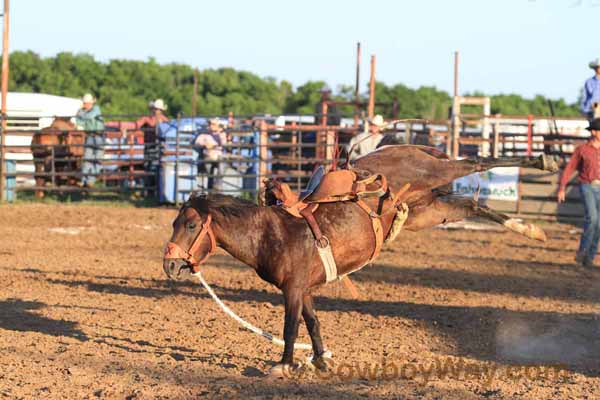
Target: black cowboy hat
(594,125)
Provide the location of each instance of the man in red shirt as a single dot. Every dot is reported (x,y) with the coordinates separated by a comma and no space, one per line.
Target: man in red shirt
(586,160)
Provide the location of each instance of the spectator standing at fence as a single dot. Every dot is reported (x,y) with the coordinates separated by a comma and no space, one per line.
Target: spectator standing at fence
(367,141)
(89,119)
(590,100)
(586,161)
(157,115)
(210,145)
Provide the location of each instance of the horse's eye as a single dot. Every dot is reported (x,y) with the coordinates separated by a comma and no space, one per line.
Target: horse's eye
(192,226)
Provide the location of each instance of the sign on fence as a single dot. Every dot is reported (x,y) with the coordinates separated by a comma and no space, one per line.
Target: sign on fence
(496,184)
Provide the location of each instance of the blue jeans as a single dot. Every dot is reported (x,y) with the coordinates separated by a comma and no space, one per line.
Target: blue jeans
(92,154)
(588,246)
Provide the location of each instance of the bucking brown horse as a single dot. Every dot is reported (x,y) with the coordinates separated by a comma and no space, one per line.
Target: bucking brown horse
(57,148)
(281,248)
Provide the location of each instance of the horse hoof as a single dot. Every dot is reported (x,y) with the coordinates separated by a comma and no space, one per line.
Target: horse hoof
(535,232)
(281,371)
(324,362)
(549,163)
(529,230)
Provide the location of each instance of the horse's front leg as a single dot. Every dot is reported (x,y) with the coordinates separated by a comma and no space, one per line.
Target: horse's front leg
(293,311)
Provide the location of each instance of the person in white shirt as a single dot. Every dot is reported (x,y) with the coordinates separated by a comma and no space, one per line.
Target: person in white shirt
(210,144)
(367,141)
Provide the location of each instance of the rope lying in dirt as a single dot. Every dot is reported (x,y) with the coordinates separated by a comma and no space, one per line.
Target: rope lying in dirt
(247,325)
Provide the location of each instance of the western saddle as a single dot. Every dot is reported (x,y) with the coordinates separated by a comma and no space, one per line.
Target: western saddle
(343,185)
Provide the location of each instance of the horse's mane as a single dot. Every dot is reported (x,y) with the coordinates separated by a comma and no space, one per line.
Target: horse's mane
(221,204)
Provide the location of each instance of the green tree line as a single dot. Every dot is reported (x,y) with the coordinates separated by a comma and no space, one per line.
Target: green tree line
(124,87)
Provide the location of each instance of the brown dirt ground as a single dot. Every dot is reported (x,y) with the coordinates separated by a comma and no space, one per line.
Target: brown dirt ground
(86,312)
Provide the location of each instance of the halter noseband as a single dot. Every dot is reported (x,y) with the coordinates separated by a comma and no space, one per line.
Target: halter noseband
(173,250)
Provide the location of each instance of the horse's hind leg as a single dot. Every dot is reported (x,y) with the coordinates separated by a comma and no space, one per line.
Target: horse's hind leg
(452,208)
(444,172)
(543,162)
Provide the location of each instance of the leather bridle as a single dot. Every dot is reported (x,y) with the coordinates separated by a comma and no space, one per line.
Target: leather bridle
(173,250)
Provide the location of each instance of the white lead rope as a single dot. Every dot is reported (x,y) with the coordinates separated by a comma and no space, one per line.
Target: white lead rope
(247,325)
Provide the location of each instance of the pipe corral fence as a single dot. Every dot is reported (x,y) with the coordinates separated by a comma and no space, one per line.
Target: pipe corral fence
(161,162)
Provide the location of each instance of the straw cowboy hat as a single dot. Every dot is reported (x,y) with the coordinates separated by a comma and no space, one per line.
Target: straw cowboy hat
(594,63)
(88,98)
(377,121)
(159,104)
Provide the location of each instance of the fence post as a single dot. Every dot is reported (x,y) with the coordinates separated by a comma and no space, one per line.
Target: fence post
(131,142)
(529,134)
(176,183)
(2,161)
(322,133)
(53,169)
(449,138)
(157,151)
(496,139)
(485,129)
(408,132)
(262,157)
(357,87)
(456,127)
(3,122)
(371,107)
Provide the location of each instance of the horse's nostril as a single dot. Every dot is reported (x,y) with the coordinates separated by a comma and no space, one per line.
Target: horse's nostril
(172,265)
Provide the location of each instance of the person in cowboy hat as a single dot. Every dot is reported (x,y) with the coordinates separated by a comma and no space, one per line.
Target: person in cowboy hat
(157,115)
(367,141)
(89,119)
(158,109)
(585,162)
(590,98)
(210,144)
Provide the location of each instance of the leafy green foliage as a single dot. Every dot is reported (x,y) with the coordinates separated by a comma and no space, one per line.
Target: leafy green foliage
(124,87)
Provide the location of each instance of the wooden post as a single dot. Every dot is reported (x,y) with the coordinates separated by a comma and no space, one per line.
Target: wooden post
(195,94)
(322,133)
(455,127)
(357,87)
(448,140)
(131,142)
(455,73)
(454,139)
(263,154)
(519,195)
(53,166)
(529,135)
(496,139)
(176,183)
(4,90)
(486,128)
(371,109)
(330,149)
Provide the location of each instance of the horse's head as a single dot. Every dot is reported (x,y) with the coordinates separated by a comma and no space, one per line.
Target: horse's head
(192,242)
